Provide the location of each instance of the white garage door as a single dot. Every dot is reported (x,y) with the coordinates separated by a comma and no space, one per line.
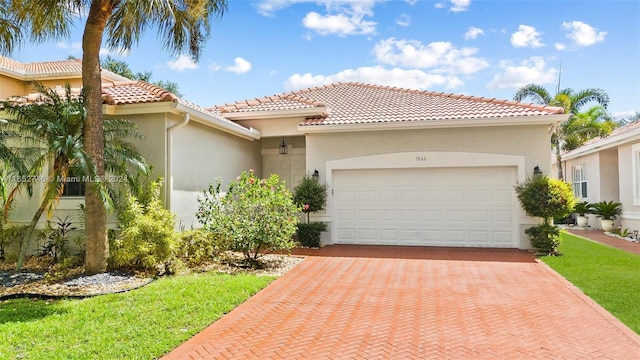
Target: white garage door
(430,206)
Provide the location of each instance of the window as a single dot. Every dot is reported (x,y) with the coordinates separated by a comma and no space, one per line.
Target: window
(635,151)
(73,185)
(579,181)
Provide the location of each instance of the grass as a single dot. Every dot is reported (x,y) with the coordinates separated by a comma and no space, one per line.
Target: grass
(141,324)
(609,276)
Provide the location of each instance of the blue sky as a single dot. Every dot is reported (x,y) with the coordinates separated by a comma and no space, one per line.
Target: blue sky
(474,47)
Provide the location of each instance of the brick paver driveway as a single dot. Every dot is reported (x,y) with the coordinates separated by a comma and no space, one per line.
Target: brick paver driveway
(370,302)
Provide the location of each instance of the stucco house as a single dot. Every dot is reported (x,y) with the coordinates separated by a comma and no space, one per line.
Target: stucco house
(187,145)
(406,167)
(403,167)
(608,169)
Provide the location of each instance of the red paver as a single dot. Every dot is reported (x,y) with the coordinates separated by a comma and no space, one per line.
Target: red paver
(374,302)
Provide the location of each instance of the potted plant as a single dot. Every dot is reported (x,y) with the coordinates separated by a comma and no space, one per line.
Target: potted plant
(581,209)
(607,211)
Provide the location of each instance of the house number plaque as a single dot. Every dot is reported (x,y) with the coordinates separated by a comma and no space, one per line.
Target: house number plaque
(421,158)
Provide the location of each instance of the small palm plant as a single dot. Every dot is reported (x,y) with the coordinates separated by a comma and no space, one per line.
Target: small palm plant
(51,137)
(582,208)
(607,210)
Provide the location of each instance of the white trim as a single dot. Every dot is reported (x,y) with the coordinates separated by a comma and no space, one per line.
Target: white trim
(602,144)
(428,159)
(629,215)
(435,124)
(270,114)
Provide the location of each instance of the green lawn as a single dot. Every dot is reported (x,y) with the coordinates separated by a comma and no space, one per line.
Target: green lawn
(141,324)
(609,276)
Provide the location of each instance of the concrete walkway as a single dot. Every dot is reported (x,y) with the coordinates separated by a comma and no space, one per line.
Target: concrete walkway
(373,302)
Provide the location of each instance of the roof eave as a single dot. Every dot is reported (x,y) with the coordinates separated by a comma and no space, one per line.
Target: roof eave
(549,120)
(176,108)
(220,124)
(604,144)
(272,114)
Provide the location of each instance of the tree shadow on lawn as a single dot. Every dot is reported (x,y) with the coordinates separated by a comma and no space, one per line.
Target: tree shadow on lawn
(23,310)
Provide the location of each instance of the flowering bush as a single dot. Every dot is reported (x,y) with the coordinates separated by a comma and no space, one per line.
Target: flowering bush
(254,216)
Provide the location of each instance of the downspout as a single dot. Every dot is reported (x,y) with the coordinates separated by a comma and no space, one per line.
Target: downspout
(169,179)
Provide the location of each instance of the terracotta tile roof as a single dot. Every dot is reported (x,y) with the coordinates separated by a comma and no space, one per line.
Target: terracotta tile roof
(289,101)
(135,92)
(358,103)
(37,70)
(132,92)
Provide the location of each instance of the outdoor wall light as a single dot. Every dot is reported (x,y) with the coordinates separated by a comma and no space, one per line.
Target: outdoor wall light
(316,175)
(283,148)
(537,171)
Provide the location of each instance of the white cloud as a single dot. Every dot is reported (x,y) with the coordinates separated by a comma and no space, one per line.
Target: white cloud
(460,5)
(526,36)
(513,76)
(560,46)
(183,62)
(473,33)
(240,66)
(583,34)
(456,5)
(411,2)
(440,56)
(411,79)
(342,17)
(340,24)
(74,47)
(404,20)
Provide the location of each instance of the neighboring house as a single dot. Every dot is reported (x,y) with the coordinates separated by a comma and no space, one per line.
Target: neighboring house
(608,169)
(406,167)
(187,145)
(403,167)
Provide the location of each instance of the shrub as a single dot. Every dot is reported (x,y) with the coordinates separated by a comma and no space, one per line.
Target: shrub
(310,195)
(547,198)
(147,238)
(255,215)
(545,238)
(197,246)
(9,235)
(309,233)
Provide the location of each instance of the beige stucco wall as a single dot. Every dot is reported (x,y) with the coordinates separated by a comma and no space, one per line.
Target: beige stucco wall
(530,142)
(609,184)
(277,127)
(10,87)
(201,154)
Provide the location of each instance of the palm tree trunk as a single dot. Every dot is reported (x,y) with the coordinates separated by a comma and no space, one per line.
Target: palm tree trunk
(96,213)
(559,160)
(26,239)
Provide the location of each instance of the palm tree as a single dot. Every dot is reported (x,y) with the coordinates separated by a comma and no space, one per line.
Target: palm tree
(52,135)
(567,99)
(586,125)
(183,26)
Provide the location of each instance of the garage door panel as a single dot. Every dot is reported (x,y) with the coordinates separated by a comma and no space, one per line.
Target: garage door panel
(438,207)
